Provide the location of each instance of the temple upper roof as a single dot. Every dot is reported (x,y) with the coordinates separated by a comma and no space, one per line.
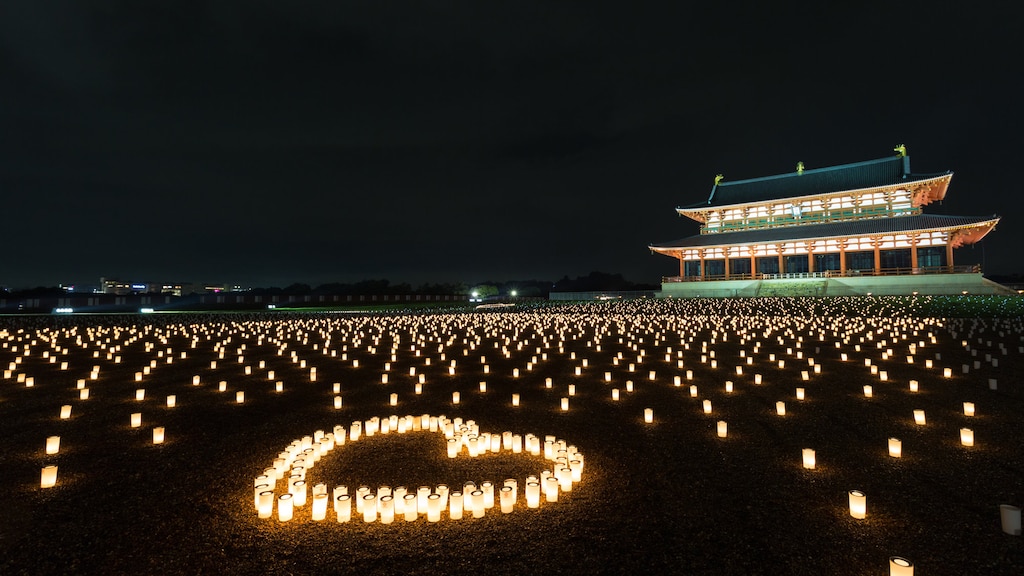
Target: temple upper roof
(860,175)
(889,225)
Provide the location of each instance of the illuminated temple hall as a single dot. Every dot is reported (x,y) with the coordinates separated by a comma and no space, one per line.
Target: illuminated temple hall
(843,230)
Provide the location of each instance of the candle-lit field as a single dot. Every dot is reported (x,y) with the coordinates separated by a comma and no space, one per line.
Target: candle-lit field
(766,436)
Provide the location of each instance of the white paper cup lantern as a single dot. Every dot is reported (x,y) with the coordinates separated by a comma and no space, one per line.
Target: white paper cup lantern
(780,408)
(158,435)
(858,504)
(239,397)
(565,404)
(899,566)
(265,504)
(967,437)
(723,429)
(65,412)
(455,397)
(809,460)
(136,419)
(285,507)
(615,394)
(337,402)
(706,405)
(83,394)
(319,507)
(343,507)
(515,399)
(895,448)
(919,418)
(1009,516)
(914,385)
(52,444)
(868,391)
(800,395)
(140,394)
(968,408)
(48,477)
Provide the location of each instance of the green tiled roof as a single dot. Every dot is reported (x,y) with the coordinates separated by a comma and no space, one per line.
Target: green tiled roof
(893,224)
(868,174)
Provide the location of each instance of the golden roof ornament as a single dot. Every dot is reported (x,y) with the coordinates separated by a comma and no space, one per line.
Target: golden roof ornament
(900,150)
(718,179)
(799,167)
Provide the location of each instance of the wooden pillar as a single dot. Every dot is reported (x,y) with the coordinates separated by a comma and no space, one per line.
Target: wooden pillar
(949,254)
(842,257)
(782,265)
(878,255)
(913,252)
(753,261)
(682,264)
(810,257)
(725,252)
(701,254)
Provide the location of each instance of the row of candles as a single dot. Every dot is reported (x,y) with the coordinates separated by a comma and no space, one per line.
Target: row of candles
(293,464)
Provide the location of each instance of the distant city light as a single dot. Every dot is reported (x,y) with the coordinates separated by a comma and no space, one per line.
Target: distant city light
(63,310)
(514,293)
(146,310)
(271,306)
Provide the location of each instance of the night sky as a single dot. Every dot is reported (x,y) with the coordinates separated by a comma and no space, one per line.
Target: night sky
(264,143)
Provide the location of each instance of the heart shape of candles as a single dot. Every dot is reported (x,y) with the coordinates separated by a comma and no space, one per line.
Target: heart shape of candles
(285,481)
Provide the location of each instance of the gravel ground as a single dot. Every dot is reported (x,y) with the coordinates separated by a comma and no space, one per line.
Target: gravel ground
(669,496)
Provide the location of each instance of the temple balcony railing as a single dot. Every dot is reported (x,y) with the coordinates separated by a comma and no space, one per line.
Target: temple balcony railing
(966,269)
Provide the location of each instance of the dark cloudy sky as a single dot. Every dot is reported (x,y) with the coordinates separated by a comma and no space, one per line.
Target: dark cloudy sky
(263,142)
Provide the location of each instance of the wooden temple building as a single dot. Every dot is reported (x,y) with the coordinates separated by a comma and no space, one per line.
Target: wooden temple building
(843,230)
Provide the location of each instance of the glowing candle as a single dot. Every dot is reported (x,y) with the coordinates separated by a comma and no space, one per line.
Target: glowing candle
(728,385)
(547,383)
(343,507)
(319,506)
(48,478)
(394,399)
(285,507)
(52,444)
(757,378)
(899,566)
(919,417)
(565,404)
(780,408)
(868,391)
(947,372)
(693,391)
(629,385)
(913,385)
(386,509)
(532,494)
(240,397)
(895,448)
(858,504)
(369,508)
(265,504)
(65,412)
(136,419)
(615,394)
(800,394)
(551,489)
(455,505)
(477,501)
(83,394)
(968,408)
(707,406)
(158,435)
(337,402)
(808,458)
(455,397)
(572,389)
(648,415)
(723,429)
(967,437)
(409,507)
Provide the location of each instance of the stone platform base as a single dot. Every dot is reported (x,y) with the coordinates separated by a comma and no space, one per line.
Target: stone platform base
(929,284)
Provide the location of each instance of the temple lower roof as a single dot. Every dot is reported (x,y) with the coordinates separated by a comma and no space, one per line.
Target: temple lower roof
(890,225)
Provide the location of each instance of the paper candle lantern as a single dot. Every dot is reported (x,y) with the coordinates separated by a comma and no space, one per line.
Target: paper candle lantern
(1009,516)
(572,389)
(136,419)
(393,399)
(343,507)
(707,406)
(386,508)
(52,444)
(565,404)
(158,435)
(968,408)
(409,507)
(239,397)
(808,458)
(693,391)
(899,566)
(648,415)
(48,478)
(919,417)
(369,508)
(455,397)
(723,429)
(913,386)
(551,489)
(265,504)
(285,507)
(319,507)
(967,437)
(895,448)
(858,504)
(800,394)
(615,394)
(455,505)
(629,385)
(477,501)
(65,412)
(515,399)
(868,392)
(780,408)
(337,402)
(532,494)
(83,394)
(947,372)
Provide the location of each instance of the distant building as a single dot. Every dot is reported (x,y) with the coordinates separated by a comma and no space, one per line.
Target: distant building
(124,288)
(842,230)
